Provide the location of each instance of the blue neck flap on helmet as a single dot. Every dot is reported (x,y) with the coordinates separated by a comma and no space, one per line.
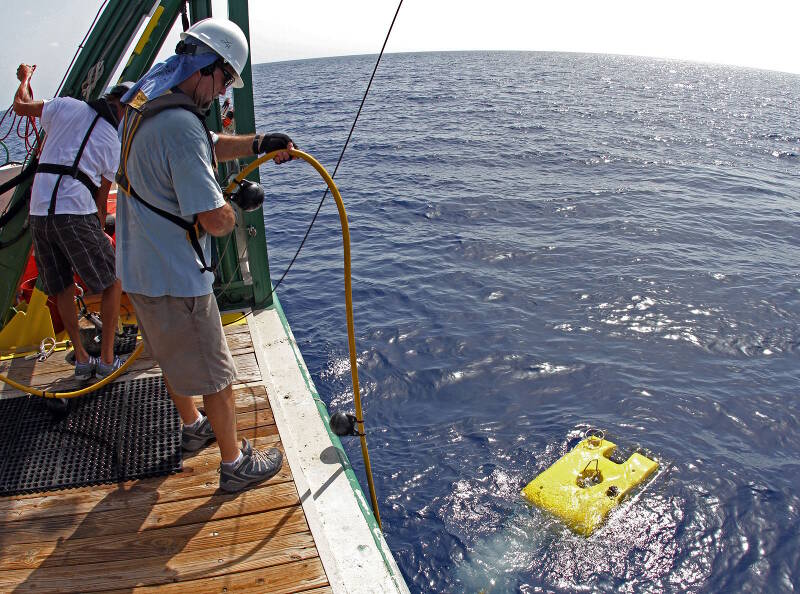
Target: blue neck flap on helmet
(173,71)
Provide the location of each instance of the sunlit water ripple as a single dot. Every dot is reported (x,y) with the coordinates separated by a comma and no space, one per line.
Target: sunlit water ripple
(543,242)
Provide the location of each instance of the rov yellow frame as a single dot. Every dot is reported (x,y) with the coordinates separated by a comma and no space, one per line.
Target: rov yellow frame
(583,486)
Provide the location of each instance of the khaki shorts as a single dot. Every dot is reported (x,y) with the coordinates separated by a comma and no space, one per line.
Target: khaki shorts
(185,337)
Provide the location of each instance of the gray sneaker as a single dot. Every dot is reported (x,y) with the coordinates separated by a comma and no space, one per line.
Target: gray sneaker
(254,467)
(84,371)
(196,439)
(104,370)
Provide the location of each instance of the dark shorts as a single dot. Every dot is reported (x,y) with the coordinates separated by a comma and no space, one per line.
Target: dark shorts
(67,244)
(185,337)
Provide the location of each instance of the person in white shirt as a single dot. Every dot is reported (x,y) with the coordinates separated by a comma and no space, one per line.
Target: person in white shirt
(76,167)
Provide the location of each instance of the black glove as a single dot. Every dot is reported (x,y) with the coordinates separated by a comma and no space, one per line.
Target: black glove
(267,143)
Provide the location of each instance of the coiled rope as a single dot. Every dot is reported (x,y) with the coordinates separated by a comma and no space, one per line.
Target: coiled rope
(25,127)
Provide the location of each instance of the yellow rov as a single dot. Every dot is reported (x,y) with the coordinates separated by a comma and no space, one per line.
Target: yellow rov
(584,485)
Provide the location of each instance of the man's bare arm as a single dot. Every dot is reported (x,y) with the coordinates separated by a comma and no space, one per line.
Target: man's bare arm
(218,222)
(101,200)
(24,104)
(229,148)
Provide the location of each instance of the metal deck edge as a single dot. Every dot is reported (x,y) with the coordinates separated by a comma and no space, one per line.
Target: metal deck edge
(353,551)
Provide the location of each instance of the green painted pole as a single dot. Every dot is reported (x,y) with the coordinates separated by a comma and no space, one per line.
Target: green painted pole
(199,10)
(226,247)
(153,37)
(103,49)
(246,124)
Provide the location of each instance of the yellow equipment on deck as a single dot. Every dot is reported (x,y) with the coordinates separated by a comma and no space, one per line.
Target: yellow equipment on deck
(27,329)
(583,486)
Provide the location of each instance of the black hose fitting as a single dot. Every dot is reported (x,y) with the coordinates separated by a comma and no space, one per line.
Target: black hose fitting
(249,196)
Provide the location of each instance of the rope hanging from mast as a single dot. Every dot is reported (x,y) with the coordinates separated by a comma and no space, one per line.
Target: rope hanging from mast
(341,155)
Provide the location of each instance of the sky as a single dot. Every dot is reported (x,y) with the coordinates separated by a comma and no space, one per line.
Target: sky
(760,34)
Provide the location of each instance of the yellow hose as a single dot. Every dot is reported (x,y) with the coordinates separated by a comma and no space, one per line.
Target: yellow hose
(348,297)
(88,389)
(348,302)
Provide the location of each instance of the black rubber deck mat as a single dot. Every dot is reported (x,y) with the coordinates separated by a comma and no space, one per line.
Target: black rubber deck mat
(127,430)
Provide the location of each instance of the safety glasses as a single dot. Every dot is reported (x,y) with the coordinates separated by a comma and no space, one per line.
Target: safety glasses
(227,77)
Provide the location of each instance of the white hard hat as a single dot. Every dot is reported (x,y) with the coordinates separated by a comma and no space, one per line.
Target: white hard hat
(226,39)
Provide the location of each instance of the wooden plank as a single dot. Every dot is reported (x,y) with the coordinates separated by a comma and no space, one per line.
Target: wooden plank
(248,398)
(130,572)
(199,479)
(217,534)
(238,337)
(56,373)
(174,533)
(297,576)
(239,342)
(141,518)
(259,430)
(246,366)
(54,365)
(60,377)
(247,369)
(256,390)
(254,419)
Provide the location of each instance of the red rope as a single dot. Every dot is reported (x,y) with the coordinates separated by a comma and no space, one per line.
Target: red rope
(29,134)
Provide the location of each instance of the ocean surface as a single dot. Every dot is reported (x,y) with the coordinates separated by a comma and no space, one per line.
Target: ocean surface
(544,243)
(541,243)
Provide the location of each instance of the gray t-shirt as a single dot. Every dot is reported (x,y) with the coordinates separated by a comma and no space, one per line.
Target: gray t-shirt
(169,166)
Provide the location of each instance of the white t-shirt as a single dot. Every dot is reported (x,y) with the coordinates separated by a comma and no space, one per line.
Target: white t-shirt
(66,121)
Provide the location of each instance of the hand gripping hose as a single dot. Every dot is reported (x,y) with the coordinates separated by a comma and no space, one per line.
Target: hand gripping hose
(347,295)
(349,310)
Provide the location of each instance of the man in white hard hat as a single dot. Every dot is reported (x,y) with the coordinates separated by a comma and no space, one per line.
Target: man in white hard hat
(169,192)
(68,210)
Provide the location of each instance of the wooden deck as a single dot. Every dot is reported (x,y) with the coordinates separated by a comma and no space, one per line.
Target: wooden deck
(177,533)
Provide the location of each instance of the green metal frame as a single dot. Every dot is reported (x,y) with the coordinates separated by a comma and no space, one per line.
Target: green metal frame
(89,76)
(99,56)
(232,291)
(153,37)
(246,124)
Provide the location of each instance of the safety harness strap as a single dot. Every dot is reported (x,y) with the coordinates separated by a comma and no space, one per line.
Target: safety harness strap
(62,170)
(28,171)
(190,228)
(131,121)
(72,171)
(24,174)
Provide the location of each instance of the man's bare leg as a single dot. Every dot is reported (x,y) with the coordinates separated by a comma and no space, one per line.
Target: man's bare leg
(65,303)
(221,411)
(109,314)
(185,405)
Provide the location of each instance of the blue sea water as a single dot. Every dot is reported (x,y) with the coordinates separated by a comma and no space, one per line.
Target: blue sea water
(544,242)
